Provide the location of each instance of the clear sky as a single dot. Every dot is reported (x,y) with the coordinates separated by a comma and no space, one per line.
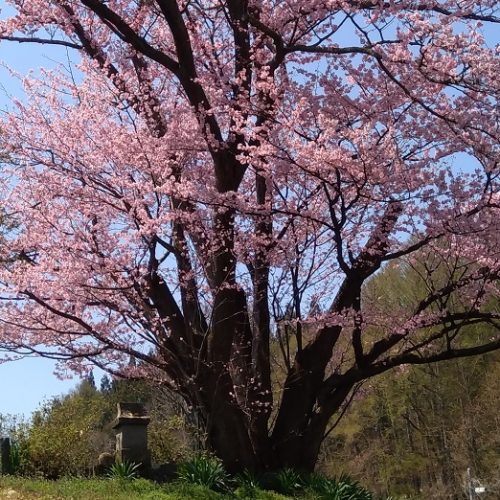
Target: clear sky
(26,383)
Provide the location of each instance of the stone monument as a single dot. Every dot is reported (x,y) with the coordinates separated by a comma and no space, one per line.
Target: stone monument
(5,456)
(131,425)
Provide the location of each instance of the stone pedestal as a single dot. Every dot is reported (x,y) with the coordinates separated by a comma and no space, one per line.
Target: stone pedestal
(131,425)
(5,456)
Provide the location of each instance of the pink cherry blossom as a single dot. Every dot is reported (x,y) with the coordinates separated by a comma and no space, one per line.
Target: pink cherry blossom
(215,190)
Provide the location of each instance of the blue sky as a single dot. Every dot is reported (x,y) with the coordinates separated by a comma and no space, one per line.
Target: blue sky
(26,383)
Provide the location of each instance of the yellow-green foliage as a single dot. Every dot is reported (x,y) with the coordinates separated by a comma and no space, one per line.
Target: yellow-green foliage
(169,437)
(415,430)
(66,435)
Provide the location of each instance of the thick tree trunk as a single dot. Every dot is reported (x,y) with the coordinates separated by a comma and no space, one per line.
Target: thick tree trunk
(299,448)
(229,439)
(233,436)
(231,442)
(300,452)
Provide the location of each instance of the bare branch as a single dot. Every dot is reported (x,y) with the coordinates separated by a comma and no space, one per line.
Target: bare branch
(43,41)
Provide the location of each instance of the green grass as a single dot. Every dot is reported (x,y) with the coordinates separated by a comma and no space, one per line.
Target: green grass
(108,489)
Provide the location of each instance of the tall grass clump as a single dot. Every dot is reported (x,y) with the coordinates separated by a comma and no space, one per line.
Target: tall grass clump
(206,471)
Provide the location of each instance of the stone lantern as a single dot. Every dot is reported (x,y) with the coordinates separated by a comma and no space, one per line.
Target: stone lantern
(131,425)
(5,455)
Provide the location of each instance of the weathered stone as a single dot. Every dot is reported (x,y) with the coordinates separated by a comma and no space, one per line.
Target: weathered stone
(106,459)
(130,426)
(104,463)
(5,465)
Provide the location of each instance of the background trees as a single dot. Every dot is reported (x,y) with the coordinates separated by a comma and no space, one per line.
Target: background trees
(416,434)
(227,173)
(66,435)
(417,431)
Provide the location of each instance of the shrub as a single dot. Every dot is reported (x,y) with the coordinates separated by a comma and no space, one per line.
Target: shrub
(287,481)
(169,437)
(15,458)
(206,471)
(18,430)
(247,485)
(124,469)
(65,436)
(343,488)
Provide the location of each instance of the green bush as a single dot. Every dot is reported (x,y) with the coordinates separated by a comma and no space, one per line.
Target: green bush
(124,469)
(15,458)
(18,430)
(206,471)
(169,437)
(288,481)
(66,436)
(247,485)
(343,488)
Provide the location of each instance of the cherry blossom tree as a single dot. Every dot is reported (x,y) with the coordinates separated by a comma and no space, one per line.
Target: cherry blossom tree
(207,189)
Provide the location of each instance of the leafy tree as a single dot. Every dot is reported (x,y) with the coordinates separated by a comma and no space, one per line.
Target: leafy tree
(67,434)
(416,433)
(105,384)
(230,172)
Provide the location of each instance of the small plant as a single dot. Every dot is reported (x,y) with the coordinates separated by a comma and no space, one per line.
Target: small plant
(124,469)
(343,488)
(206,471)
(288,481)
(247,484)
(352,490)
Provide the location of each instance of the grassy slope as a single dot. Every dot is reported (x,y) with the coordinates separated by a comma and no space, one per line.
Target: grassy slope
(105,489)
